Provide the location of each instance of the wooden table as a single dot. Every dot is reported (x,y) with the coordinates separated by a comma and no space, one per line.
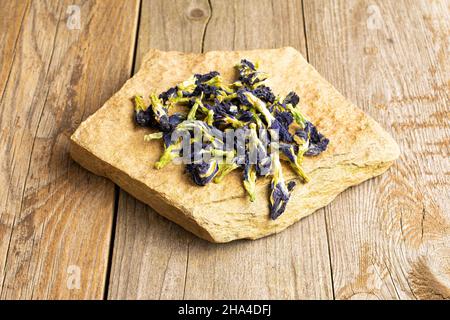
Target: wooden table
(66,233)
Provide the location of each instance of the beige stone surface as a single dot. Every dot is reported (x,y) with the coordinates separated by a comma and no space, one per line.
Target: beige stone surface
(109,144)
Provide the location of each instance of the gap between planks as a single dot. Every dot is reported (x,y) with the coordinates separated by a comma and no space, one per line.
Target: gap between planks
(305,33)
(116,187)
(205,29)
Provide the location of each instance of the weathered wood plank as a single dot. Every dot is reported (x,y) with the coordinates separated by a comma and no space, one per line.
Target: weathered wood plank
(293,264)
(150,252)
(154,258)
(389,236)
(12,17)
(11,22)
(56,218)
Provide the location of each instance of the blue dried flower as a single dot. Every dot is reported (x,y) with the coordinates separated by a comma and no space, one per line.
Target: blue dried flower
(259,106)
(143,115)
(280,192)
(176,119)
(242,98)
(208,91)
(206,77)
(224,114)
(210,133)
(224,170)
(282,123)
(258,151)
(245,116)
(144,118)
(248,64)
(292,98)
(166,95)
(215,107)
(248,74)
(250,179)
(225,107)
(202,173)
(317,142)
(295,158)
(264,93)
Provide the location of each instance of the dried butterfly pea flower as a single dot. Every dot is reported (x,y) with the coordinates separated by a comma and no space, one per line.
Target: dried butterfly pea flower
(170,152)
(280,192)
(291,98)
(257,119)
(210,85)
(187,87)
(224,114)
(207,90)
(139,104)
(249,75)
(225,107)
(246,104)
(298,116)
(229,120)
(205,77)
(246,64)
(202,173)
(160,113)
(209,133)
(226,96)
(166,95)
(237,84)
(250,179)
(316,149)
(245,116)
(282,123)
(295,158)
(173,100)
(143,118)
(224,169)
(258,152)
(209,119)
(259,105)
(257,79)
(264,166)
(211,152)
(317,142)
(143,115)
(193,112)
(153,136)
(205,163)
(176,119)
(217,81)
(264,93)
(167,139)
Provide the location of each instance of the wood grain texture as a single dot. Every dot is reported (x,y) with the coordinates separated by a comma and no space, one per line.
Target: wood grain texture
(150,252)
(12,17)
(389,237)
(55,217)
(154,258)
(385,239)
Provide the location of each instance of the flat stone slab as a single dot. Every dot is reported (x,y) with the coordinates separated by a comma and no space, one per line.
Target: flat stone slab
(108,143)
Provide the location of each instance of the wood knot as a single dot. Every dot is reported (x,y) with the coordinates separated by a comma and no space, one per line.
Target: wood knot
(196,14)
